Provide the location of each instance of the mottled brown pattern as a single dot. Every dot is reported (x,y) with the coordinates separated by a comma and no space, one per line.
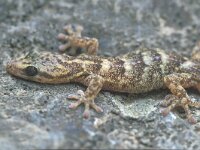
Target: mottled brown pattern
(139,71)
(116,69)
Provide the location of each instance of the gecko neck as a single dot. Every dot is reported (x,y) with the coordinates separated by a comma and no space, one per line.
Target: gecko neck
(91,64)
(87,65)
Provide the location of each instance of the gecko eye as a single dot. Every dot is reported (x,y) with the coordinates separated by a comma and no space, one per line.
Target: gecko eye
(31,71)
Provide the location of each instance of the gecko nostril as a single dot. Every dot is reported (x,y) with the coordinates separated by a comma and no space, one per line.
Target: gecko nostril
(9,66)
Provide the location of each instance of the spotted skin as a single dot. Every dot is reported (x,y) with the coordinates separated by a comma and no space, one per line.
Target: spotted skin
(139,71)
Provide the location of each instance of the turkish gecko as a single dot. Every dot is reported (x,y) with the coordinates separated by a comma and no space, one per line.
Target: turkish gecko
(138,71)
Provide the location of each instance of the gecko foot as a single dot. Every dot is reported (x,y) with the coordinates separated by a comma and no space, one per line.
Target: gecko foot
(172,101)
(74,43)
(81,98)
(71,31)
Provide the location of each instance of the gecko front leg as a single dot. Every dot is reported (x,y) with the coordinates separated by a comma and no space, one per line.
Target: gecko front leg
(74,40)
(87,97)
(176,83)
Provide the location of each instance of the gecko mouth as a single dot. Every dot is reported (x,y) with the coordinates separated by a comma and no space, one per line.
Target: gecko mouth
(14,68)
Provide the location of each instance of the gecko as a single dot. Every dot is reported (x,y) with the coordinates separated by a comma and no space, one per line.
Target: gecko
(139,71)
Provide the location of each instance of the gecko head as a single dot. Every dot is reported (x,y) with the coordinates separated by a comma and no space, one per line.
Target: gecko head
(43,67)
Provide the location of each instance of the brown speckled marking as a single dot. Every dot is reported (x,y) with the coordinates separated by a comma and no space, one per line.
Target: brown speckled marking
(139,71)
(117,69)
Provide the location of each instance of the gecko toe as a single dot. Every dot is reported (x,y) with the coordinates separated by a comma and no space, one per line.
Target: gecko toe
(168,100)
(81,99)
(80,94)
(75,105)
(96,108)
(165,112)
(189,115)
(63,47)
(86,114)
(73,29)
(73,97)
(61,36)
(173,101)
(192,120)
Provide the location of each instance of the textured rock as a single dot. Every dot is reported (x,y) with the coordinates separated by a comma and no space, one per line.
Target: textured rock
(36,115)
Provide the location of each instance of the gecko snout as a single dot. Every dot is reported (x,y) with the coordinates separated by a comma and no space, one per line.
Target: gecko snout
(10,67)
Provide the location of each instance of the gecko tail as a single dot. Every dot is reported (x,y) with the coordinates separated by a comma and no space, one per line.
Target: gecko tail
(194,104)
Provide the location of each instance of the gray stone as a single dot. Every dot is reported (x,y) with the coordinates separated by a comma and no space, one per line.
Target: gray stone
(34,115)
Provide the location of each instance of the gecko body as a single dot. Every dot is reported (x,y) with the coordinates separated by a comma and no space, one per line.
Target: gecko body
(139,71)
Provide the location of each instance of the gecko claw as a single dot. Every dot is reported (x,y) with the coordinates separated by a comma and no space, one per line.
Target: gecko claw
(73,97)
(86,114)
(63,47)
(61,36)
(192,120)
(96,108)
(165,112)
(75,105)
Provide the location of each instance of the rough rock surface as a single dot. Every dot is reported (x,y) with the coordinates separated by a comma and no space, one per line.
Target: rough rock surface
(36,115)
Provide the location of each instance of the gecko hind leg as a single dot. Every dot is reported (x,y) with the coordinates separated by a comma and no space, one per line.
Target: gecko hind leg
(176,84)
(75,41)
